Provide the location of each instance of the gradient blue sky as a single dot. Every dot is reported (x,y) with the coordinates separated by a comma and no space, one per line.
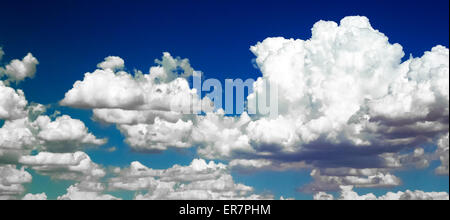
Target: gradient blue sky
(70,37)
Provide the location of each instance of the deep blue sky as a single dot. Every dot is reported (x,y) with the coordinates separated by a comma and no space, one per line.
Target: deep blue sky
(70,37)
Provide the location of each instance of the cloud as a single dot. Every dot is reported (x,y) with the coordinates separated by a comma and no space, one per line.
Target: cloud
(16,139)
(12,180)
(350,109)
(12,103)
(112,63)
(105,89)
(218,136)
(332,179)
(29,196)
(76,193)
(347,193)
(334,89)
(443,155)
(346,101)
(65,134)
(18,70)
(417,159)
(147,108)
(255,165)
(160,90)
(198,181)
(158,136)
(66,166)
(133,117)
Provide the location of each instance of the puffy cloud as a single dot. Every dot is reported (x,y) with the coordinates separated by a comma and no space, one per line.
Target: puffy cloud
(159,90)
(12,103)
(198,181)
(29,196)
(105,89)
(112,63)
(331,179)
(443,155)
(18,70)
(347,193)
(158,136)
(133,117)
(67,166)
(221,136)
(76,193)
(171,68)
(12,180)
(65,134)
(17,138)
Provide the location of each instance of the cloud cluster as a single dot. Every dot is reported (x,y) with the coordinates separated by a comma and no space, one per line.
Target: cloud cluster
(64,134)
(347,102)
(198,181)
(331,179)
(12,180)
(350,109)
(347,193)
(67,166)
(25,129)
(147,108)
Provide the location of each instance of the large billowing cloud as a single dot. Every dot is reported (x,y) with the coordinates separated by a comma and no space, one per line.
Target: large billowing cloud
(348,103)
(198,181)
(346,92)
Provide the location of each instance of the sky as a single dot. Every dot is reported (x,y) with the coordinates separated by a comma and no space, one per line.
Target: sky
(70,38)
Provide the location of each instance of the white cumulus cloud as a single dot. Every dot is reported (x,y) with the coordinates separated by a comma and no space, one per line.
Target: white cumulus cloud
(347,193)
(18,70)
